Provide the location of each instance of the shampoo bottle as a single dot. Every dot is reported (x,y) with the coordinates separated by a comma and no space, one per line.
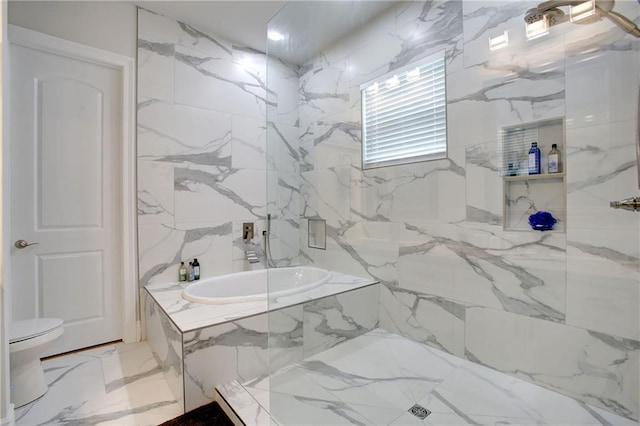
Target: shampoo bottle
(182,272)
(196,269)
(190,271)
(534,159)
(554,160)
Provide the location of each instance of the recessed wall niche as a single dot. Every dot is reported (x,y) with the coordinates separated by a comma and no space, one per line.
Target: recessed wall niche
(524,193)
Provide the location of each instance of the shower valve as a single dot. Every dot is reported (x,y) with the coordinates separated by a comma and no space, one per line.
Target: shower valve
(632,204)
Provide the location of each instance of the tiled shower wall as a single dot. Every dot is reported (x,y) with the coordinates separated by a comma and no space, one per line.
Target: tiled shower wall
(558,309)
(202,158)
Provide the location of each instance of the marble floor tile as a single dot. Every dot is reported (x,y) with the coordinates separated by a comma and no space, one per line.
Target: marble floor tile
(375,378)
(112,385)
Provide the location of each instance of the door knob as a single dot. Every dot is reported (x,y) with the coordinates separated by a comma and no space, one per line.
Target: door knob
(23,243)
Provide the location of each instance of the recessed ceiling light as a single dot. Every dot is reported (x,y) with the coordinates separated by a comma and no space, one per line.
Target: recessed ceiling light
(275,36)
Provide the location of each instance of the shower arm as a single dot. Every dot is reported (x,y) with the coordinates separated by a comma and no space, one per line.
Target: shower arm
(605,9)
(623,22)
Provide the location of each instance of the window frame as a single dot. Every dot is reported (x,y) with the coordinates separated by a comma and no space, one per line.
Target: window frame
(441,55)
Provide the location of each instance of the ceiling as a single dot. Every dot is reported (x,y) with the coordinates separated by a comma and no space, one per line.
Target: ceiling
(308,26)
(244,22)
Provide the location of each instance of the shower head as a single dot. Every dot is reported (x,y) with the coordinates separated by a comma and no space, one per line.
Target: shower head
(554,15)
(603,8)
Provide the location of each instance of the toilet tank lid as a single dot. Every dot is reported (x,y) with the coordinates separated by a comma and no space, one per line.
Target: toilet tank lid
(26,329)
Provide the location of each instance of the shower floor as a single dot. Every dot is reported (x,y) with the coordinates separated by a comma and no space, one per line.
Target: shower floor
(376,378)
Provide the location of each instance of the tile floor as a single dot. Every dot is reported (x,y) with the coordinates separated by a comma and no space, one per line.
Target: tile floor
(110,385)
(375,378)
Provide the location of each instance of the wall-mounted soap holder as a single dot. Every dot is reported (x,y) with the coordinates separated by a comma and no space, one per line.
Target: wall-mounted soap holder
(317,234)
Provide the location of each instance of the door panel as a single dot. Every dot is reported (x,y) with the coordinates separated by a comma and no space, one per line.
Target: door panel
(65,195)
(60,275)
(70,128)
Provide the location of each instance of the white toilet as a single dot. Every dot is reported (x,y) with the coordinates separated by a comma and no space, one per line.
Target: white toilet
(28,339)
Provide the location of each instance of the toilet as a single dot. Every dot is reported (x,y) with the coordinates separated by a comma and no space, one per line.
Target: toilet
(28,339)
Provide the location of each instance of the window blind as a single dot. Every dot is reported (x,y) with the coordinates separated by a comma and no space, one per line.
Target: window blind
(404,115)
(516,142)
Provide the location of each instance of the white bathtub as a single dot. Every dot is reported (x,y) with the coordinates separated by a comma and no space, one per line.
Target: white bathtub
(252,286)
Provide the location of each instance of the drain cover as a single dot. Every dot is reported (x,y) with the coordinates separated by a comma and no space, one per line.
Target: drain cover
(419,411)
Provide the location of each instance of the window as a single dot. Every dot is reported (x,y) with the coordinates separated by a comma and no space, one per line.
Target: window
(404,115)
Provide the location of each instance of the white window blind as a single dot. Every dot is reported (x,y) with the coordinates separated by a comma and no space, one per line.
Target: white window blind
(404,115)
(516,142)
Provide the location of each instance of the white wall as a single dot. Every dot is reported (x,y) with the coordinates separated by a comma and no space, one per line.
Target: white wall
(106,25)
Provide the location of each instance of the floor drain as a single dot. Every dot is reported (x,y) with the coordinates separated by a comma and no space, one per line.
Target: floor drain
(419,411)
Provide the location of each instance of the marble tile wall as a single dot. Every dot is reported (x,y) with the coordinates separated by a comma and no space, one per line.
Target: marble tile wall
(557,309)
(195,362)
(165,341)
(202,154)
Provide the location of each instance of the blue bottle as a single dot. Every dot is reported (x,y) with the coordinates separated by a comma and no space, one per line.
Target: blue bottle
(534,159)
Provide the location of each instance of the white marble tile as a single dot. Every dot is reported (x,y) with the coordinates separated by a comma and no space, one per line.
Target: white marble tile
(230,86)
(427,28)
(255,415)
(157,25)
(283,84)
(209,193)
(165,342)
(486,19)
(362,257)
(480,264)
(328,144)
(349,383)
(371,371)
(594,367)
(603,281)
(375,57)
(484,190)
(482,99)
(286,336)
(183,135)
(290,409)
(326,193)
(235,394)
(282,148)
(601,167)
(324,90)
(612,81)
(240,349)
(155,68)
(79,393)
(163,247)
(389,194)
(209,44)
(431,320)
(335,319)
(243,349)
(155,192)
(249,143)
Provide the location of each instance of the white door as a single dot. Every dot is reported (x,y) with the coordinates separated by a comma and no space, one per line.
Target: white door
(65,138)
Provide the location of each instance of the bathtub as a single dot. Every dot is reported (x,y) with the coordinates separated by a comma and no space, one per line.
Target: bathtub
(252,286)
